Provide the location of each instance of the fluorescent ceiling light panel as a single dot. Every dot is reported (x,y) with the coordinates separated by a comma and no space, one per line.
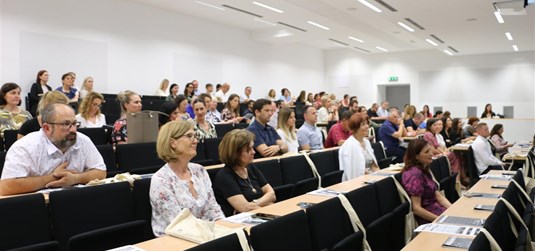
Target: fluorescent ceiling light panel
(268,7)
(448,52)
(406,27)
(318,25)
(381,48)
(356,39)
(209,5)
(515,47)
(431,42)
(498,17)
(371,6)
(266,22)
(508,35)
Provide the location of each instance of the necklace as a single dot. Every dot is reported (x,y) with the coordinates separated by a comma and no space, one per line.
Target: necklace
(248,181)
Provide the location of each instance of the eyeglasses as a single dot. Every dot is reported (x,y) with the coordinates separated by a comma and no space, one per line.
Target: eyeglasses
(191,136)
(97,105)
(66,125)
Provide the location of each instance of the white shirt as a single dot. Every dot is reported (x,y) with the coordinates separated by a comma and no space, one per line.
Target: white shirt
(35,155)
(100,121)
(483,154)
(382,112)
(293,145)
(351,158)
(159,92)
(222,97)
(244,97)
(440,139)
(323,115)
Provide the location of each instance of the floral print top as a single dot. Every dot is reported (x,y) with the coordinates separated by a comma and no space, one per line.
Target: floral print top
(227,115)
(203,134)
(119,131)
(169,195)
(11,121)
(418,183)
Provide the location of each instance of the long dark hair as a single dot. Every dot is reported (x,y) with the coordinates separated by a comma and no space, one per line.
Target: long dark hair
(495,130)
(39,74)
(415,147)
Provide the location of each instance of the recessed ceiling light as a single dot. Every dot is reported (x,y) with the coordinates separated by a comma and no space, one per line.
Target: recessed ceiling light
(515,47)
(263,21)
(209,5)
(508,35)
(498,17)
(431,42)
(381,48)
(318,25)
(356,39)
(371,6)
(448,52)
(406,27)
(268,7)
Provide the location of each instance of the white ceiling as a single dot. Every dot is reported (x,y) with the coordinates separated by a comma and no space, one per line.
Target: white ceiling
(468,26)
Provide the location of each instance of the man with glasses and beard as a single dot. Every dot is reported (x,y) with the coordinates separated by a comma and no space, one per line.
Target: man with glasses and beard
(55,156)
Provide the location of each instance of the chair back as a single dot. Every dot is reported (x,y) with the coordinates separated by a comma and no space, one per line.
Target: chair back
(290,232)
(96,135)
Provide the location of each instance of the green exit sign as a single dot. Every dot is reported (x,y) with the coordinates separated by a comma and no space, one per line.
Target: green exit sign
(392,78)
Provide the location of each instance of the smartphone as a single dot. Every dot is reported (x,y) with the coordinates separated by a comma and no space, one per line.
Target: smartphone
(264,216)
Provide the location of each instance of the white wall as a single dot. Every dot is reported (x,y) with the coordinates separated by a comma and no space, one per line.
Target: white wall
(440,80)
(126,45)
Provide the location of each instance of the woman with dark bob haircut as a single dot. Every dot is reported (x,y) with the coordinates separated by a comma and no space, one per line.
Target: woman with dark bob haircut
(11,115)
(427,202)
(240,186)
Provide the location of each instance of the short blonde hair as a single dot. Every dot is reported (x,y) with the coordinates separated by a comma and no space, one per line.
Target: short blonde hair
(125,98)
(51,97)
(324,99)
(232,145)
(171,130)
(163,84)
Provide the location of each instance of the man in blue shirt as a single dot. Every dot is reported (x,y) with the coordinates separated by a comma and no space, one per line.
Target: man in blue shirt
(309,136)
(267,141)
(390,134)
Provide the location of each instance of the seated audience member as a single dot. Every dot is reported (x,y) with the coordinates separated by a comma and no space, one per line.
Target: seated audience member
(425,111)
(189,92)
(87,87)
(173,93)
(286,129)
(356,155)
(196,90)
(448,132)
(354,106)
(12,116)
(213,115)
(246,97)
(203,129)
(302,97)
(223,93)
(162,88)
(470,129)
(67,87)
(413,125)
(130,103)
(39,88)
(497,139)
(231,112)
(310,99)
(391,132)
(409,112)
(170,112)
(285,97)
(239,186)
(90,115)
(183,104)
(267,141)
(383,110)
(339,132)
(249,111)
(372,112)
(56,156)
(180,184)
(209,90)
(309,136)
(272,95)
(446,114)
(488,113)
(427,202)
(274,120)
(439,114)
(328,111)
(484,158)
(438,145)
(345,101)
(34,124)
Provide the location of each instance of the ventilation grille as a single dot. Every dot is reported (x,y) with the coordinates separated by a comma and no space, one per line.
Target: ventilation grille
(453,49)
(360,49)
(293,27)
(386,5)
(415,23)
(339,42)
(242,11)
(436,38)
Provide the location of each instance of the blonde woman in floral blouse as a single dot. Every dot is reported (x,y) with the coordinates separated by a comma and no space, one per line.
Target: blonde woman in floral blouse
(203,128)
(180,184)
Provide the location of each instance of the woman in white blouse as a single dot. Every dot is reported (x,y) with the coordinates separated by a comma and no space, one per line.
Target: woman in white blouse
(286,131)
(328,111)
(356,154)
(180,184)
(90,115)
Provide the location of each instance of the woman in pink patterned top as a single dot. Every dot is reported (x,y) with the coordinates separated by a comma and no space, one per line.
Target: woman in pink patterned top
(180,184)
(427,202)
(435,139)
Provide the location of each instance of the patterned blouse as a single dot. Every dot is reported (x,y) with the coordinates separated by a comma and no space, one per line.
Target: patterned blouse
(418,183)
(203,134)
(169,195)
(119,131)
(10,121)
(227,115)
